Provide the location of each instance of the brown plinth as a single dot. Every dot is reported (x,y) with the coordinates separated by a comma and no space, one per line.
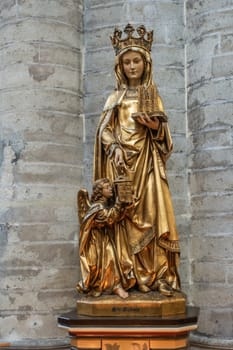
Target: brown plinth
(137,304)
(130,333)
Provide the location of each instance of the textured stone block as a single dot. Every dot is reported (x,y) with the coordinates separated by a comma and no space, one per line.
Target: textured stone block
(105,14)
(221,157)
(33,232)
(99,60)
(213,138)
(196,7)
(49,173)
(222,66)
(47,126)
(201,48)
(40,300)
(8,10)
(177,121)
(180,205)
(212,296)
(34,279)
(51,100)
(60,55)
(210,21)
(184,273)
(16,53)
(177,163)
(35,192)
(227,43)
(220,320)
(218,224)
(172,98)
(98,82)
(42,211)
(91,123)
(20,326)
(170,76)
(185,250)
(211,181)
(229,274)
(98,37)
(35,75)
(167,55)
(211,115)
(211,248)
(208,272)
(36,29)
(200,70)
(183,223)
(97,3)
(3,234)
(177,185)
(94,103)
(179,143)
(212,203)
(51,153)
(172,11)
(58,11)
(206,93)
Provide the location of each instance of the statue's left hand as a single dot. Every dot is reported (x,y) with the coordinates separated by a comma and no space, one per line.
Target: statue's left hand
(144,119)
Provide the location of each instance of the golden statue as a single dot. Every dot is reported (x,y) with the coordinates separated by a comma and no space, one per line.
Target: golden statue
(101,271)
(133,139)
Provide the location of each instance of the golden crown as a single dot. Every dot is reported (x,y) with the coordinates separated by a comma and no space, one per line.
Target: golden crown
(143,40)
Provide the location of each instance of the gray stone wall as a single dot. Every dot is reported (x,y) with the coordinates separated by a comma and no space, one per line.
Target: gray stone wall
(46,149)
(41,168)
(210,120)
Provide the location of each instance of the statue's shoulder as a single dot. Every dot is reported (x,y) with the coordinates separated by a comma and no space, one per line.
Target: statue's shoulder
(114,99)
(93,211)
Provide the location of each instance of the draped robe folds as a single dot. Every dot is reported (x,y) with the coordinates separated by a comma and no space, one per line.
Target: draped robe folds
(147,239)
(98,258)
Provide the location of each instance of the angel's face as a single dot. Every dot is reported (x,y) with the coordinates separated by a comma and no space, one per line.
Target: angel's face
(107,190)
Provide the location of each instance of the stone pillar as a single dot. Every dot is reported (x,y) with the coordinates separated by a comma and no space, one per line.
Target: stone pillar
(41,163)
(210,118)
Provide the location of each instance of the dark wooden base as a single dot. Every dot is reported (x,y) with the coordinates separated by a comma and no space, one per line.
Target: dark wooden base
(130,333)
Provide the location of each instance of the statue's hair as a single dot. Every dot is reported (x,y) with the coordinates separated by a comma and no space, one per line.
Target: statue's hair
(97,192)
(121,79)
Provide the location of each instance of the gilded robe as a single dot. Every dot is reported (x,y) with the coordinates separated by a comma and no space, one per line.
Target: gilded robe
(147,239)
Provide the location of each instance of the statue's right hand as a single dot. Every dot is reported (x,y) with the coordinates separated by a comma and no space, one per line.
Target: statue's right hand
(119,162)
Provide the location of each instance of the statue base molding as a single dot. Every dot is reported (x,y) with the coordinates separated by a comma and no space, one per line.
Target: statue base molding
(129,333)
(137,304)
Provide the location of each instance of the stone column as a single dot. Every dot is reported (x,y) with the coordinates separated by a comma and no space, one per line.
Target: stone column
(41,168)
(210,119)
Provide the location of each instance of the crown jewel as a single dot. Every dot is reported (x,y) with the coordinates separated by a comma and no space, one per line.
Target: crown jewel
(140,40)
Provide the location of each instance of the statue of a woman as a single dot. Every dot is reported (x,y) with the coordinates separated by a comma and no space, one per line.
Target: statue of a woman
(133,136)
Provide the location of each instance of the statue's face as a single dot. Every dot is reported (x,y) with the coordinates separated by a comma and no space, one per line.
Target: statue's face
(107,190)
(133,66)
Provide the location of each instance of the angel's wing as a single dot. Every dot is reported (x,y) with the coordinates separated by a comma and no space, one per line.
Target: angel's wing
(83,203)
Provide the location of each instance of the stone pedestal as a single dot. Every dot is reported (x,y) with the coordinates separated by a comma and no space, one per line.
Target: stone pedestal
(129,333)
